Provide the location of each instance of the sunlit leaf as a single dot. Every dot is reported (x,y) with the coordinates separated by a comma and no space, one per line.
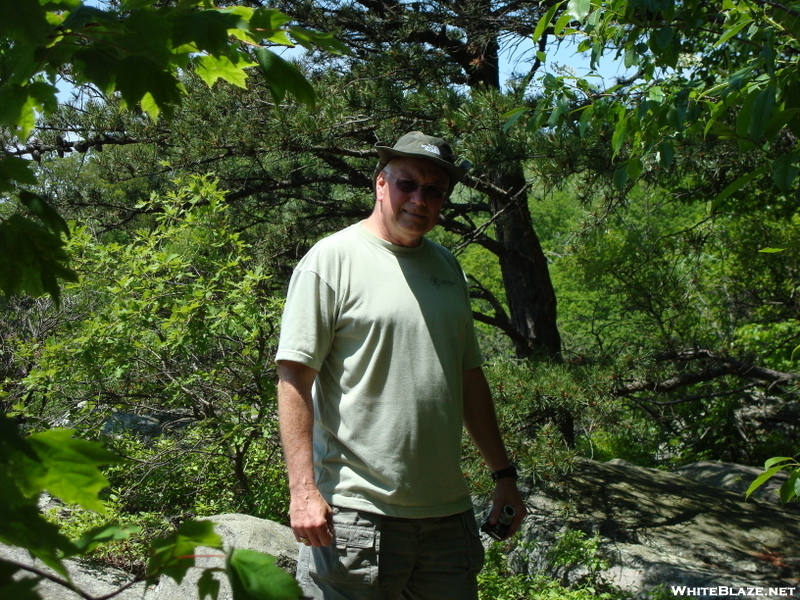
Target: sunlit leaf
(210,69)
(69,468)
(761,479)
(104,534)
(254,576)
(174,555)
(579,9)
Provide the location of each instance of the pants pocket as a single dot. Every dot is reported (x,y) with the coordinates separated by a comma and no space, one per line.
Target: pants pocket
(351,560)
(473,539)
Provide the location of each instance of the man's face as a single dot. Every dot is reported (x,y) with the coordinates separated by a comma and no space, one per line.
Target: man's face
(405,214)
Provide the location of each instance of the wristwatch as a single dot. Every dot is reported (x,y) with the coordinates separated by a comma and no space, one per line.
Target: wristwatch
(508,472)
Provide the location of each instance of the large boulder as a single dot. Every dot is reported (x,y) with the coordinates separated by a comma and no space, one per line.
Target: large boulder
(93,579)
(237,531)
(736,478)
(658,528)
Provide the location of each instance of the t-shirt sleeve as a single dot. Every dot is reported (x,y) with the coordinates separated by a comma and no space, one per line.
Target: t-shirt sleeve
(308,320)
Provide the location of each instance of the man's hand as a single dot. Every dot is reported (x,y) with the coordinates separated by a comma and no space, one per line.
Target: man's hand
(311,517)
(506,492)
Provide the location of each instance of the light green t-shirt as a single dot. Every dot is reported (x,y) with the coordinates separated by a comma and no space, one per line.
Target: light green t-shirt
(390,331)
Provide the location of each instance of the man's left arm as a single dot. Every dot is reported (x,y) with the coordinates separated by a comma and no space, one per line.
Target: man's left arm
(481,422)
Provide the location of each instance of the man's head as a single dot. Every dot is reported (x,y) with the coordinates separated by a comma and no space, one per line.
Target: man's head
(412,182)
(416,144)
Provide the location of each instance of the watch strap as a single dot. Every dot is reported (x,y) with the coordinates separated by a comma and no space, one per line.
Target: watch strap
(507,473)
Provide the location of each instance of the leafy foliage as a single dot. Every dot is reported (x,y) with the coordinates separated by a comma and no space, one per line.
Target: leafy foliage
(184,291)
(137,53)
(725,72)
(72,465)
(790,490)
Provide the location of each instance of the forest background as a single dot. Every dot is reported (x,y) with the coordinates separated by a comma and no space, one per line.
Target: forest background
(630,244)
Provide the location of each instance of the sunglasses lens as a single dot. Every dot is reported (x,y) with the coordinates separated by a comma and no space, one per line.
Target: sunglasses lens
(406,186)
(409,186)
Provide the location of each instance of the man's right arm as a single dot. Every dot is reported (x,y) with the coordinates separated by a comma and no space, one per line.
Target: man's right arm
(310,515)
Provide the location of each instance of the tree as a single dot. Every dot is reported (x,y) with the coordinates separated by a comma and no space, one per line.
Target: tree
(136,49)
(726,73)
(175,326)
(136,52)
(446,83)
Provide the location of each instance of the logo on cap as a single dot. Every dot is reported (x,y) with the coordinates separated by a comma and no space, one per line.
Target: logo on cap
(431,148)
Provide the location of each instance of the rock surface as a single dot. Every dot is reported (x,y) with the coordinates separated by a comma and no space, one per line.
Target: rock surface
(97,581)
(658,528)
(654,528)
(237,531)
(736,478)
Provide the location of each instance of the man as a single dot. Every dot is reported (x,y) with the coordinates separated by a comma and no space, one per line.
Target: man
(379,372)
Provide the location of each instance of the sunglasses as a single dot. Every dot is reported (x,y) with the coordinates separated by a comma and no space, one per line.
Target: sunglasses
(409,186)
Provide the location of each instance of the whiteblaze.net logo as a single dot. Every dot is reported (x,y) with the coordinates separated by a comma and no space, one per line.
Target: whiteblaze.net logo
(682,590)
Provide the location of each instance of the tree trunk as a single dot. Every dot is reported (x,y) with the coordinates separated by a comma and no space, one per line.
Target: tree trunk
(526,278)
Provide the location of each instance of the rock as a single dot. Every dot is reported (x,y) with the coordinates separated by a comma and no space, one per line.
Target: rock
(237,531)
(736,478)
(93,579)
(658,528)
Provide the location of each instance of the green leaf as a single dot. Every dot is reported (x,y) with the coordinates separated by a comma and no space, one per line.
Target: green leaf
(513,116)
(102,535)
(666,153)
(544,22)
(24,526)
(761,479)
(174,555)
(210,69)
(284,77)
(15,170)
(562,22)
(206,29)
(268,20)
(69,468)
(620,178)
(254,576)
(579,9)
(784,171)
(48,215)
(310,39)
(207,586)
(620,133)
(791,487)
(795,353)
(761,113)
(732,31)
(11,441)
(23,589)
(32,259)
(137,76)
(662,38)
(736,186)
(775,460)
(23,20)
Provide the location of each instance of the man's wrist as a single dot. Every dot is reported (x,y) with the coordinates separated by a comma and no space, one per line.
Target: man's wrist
(509,472)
